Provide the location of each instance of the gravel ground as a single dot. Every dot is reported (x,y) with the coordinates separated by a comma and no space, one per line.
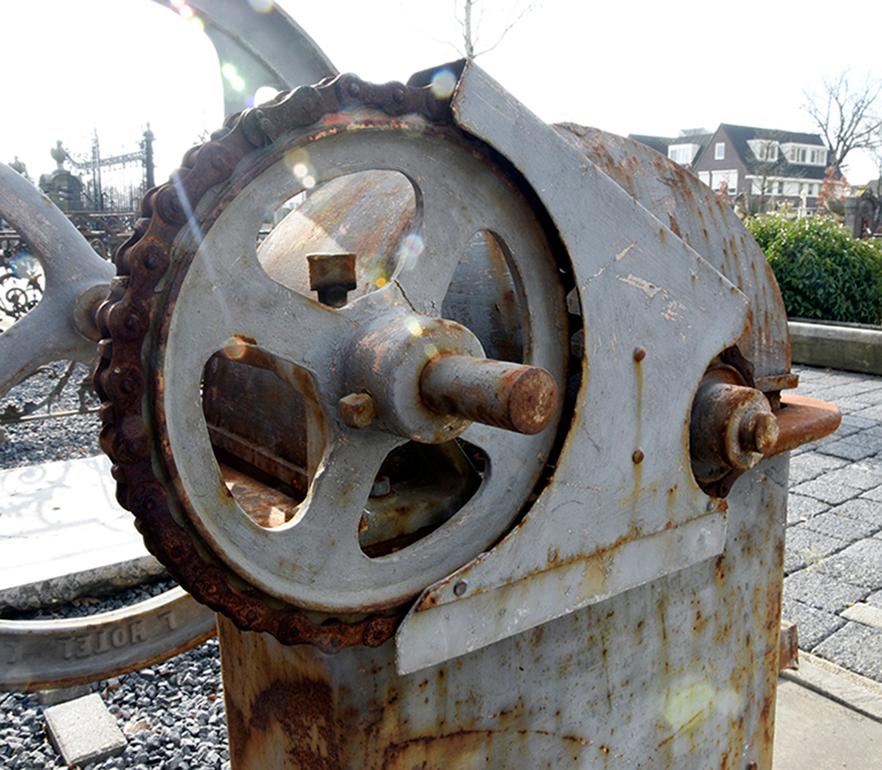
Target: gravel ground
(62,438)
(173,713)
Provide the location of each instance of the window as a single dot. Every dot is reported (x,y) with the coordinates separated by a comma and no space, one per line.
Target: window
(704,176)
(764,149)
(818,157)
(720,151)
(682,153)
(730,177)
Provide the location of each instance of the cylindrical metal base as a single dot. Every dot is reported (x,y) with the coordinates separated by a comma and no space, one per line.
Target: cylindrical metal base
(679,673)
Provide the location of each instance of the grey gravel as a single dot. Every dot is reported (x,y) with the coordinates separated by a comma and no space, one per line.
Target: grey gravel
(63,438)
(173,713)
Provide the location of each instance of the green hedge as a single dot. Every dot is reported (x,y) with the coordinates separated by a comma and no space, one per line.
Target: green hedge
(823,272)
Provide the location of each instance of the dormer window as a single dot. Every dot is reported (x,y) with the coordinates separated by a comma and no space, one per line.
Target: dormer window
(764,149)
(805,154)
(720,151)
(683,154)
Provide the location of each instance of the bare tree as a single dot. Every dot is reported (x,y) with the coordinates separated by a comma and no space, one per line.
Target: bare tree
(470,15)
(849,118)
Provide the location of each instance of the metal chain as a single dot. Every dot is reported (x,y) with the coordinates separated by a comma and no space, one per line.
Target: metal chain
(127,315)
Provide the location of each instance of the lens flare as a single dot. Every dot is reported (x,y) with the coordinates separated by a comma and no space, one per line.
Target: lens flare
(430,350)
(443,83)
(187,12)
(414,327)
(410,249)
(265,94)
(234,348)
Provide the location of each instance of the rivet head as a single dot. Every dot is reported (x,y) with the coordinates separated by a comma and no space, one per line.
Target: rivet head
(637,456)
(639,354)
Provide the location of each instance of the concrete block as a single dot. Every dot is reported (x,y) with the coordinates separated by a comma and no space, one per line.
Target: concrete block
(804,547)
(849,347)
(856,647)
(63,694)
(83,730)
(845,528)
(814,625)
(821,591)
(826,492)
(859,564)
(866,614)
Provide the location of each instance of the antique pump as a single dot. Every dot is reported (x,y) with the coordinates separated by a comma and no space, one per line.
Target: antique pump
(473,431)
(479,453)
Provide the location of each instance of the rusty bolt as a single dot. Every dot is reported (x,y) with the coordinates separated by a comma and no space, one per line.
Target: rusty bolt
(637,456)
(356,410)
(759,432)
(639,354)
(332,276)
(460,587)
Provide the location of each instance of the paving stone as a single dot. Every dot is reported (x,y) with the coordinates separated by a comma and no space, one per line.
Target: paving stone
(859,564)
(847,450)
(865,438)
(861,475)
(872,413)
(800,508)
(821,591)
(845,528)
(826,492)
(83,730)
(804,547)
(875,599)
(861,508)
(813,625)
(868,614)
(852,423)
(810,465)
(873,494)
(856,647)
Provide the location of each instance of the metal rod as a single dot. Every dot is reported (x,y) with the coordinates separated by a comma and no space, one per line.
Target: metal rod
(512,396)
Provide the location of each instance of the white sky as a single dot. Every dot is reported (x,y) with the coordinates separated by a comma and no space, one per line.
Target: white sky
(628,67)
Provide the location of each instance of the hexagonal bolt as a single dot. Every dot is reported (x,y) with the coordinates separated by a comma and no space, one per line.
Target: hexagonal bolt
(512,396)
(332,276)
(356,410)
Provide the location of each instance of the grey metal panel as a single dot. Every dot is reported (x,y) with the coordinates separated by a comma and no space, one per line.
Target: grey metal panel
(268,48)
(639,285)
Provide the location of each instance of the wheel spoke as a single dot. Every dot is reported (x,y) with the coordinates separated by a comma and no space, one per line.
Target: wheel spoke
(42,336)
(228,302)
(338,495)
(429,256)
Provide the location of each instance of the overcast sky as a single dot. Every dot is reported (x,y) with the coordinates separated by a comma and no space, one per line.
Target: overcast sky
(630,67)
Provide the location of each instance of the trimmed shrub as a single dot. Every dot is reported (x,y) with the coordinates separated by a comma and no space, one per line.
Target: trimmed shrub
(823,272)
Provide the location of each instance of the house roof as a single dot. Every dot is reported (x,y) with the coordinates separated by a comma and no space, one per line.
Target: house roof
(661,143)
(740,135)
(658,143)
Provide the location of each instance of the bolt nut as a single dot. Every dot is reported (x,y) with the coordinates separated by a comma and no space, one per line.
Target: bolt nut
(356,410)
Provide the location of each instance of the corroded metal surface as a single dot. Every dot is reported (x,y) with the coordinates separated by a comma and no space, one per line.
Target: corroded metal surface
(42,654)
(399,575)
(802,420)
(678,675)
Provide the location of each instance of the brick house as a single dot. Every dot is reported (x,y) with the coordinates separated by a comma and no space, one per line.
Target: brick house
(766,166)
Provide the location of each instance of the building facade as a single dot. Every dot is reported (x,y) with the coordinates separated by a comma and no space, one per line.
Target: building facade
(762,166)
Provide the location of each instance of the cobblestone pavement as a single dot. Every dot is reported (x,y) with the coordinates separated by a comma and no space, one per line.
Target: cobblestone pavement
(833,554)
